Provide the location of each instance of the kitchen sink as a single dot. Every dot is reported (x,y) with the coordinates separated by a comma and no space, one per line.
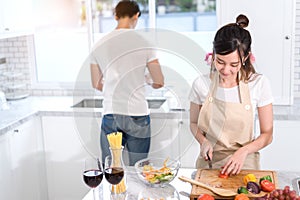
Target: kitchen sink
(89,103)
(153,103)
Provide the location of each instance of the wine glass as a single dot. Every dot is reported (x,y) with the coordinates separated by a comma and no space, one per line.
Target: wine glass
(93,173)
(114,173)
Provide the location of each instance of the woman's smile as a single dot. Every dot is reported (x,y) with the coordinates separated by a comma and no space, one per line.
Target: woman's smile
(228,67)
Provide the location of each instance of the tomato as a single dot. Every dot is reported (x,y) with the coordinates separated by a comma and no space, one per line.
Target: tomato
(267,186)
(241,197)
(223,175)
(268,177)
(205,197)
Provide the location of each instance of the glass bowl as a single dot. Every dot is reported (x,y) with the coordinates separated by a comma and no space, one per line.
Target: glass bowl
(168,192)
(157,172)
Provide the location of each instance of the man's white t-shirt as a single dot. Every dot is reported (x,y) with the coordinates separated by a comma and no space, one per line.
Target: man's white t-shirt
(123,55)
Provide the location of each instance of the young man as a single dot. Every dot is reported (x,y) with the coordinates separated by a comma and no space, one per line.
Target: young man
(118,64)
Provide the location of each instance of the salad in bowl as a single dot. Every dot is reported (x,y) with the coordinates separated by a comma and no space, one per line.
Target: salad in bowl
(157,171)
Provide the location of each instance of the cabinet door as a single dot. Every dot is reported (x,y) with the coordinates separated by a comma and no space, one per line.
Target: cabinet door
(27,161)
(6,185)
(189,147)
(272,27)
(68,140)
(173,138)
(164,138)
(283,152)
(16,15)
(4,14)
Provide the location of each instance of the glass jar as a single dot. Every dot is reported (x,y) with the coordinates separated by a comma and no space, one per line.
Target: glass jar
(115,171)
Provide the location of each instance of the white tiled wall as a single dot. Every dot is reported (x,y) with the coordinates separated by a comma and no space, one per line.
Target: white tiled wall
(16,51)
(19,55)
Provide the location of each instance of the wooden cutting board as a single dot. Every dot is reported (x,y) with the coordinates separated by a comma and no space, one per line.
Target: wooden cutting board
(210,177)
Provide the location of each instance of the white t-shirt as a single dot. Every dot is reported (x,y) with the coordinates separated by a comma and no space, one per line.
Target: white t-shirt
(122,56)
(259,86)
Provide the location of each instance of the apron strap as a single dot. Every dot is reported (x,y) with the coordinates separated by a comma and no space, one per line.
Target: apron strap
(242,87)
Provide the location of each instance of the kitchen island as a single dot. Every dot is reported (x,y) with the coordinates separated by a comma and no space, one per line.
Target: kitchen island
(41,137)
(174,191)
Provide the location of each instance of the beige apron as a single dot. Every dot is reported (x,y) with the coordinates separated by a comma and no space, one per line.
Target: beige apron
(228,126)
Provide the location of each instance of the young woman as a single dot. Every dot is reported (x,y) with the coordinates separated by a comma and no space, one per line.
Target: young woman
(222,115)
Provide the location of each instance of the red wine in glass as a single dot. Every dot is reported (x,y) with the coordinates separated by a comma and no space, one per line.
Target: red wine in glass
(92,177)
(93,173)
(114,175)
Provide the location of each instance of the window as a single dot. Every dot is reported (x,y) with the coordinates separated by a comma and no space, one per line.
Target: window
(66,29)
(61,39)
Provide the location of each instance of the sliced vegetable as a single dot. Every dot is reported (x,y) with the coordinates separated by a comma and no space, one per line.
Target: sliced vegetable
(223,175)
(241,197)
(253,187)
(205,197)
(242,190)
(267,186)
(163,174)
(268,177)
(249,177)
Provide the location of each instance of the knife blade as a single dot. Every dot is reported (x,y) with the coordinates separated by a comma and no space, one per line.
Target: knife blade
(209,161)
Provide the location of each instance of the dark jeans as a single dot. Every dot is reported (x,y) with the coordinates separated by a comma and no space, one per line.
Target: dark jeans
(136,135)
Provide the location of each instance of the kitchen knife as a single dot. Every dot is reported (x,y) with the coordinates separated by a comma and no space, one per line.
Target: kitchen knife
(209,161)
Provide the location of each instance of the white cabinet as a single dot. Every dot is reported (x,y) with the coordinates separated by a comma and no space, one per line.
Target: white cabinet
(6,184)
(164,138)
(15,17)
(28,161)
(283,152)
(172,138)
(189,147)
(22,164)
(272,27)
(68,140)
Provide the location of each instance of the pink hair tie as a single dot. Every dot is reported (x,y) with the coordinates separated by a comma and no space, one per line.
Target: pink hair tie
(208,58)
(252,58)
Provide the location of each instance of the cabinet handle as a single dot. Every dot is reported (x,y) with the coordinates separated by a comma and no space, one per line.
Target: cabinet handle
(16,131)
(287,37)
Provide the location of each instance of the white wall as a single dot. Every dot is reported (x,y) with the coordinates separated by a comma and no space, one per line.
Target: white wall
(297,52)
(4,51)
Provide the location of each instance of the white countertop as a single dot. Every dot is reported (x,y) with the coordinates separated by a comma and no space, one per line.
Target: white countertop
(22,110)
(177,188)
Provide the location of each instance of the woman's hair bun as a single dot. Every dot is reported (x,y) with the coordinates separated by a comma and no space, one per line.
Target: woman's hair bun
(242,21)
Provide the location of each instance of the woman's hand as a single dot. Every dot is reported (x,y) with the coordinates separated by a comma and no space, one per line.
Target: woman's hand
(206,149)
(235,162)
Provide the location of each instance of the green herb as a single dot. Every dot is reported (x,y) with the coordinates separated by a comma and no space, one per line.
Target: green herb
(242,190)
(268,177)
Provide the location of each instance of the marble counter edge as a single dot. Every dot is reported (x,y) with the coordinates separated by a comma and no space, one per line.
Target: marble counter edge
(65,110)
(10,125)
(17,122)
